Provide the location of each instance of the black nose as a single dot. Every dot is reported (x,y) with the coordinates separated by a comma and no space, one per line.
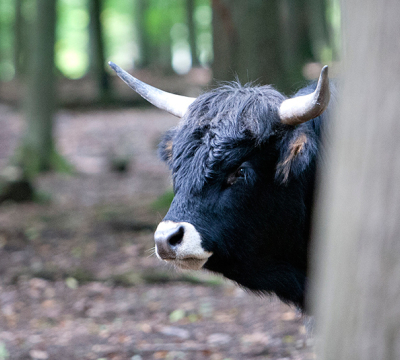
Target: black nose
(167,241)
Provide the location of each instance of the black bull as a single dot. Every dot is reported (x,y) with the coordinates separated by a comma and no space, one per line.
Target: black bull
(243,161)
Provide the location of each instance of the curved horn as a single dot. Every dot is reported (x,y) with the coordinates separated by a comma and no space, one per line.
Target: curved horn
(300,109)
(175,104)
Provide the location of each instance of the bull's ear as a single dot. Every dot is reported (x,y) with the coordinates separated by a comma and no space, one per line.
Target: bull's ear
(165,146)
(297,152)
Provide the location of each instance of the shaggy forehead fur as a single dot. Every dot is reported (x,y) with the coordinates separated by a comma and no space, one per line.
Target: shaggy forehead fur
(219,127)
(234,110)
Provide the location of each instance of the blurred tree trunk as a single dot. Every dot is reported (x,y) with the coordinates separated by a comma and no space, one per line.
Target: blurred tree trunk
(97,51)
(36,153)
(190,7)
(357,289)
(19,40)
(163,59)
(297,43)
(244,34)
(266,41)
(143,36)
(38,144)
(162,56)
(4,31)
(319,30)
(154,40)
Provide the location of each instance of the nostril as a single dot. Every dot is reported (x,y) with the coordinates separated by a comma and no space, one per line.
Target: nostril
(176,238)
(169,237)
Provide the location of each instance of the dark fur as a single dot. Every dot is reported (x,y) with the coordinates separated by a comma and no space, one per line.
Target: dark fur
(258,228)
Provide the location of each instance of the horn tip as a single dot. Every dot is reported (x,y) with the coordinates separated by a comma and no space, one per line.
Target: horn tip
(113,66)
(324,70)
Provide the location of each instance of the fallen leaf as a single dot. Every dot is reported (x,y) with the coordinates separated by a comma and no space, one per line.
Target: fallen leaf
(177,315)
(71,282)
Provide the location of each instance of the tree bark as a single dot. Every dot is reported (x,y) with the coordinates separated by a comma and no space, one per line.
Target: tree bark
(19,40)
(296,39)
(263,41)
(97,50)
(246,43)
(357,290)
(36,152)
(225,40)
(143,37)
(38,147)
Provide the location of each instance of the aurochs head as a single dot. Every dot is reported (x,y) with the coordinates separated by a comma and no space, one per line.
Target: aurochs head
(243,164)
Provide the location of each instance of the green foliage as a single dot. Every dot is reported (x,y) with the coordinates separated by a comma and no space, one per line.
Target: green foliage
(119,31)
(72,38)
(203,16)
(6,39)
(333,16)
(165,23)
(161,16)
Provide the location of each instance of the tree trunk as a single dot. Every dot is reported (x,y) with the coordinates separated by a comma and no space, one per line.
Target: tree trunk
(357,289)
(143,40)
(36,153)
(225,40)
(264,41)
(6,72)
(19,40)
(97,51)
(38,144)
(318,29)
(243,41)
(190,7)
(296,40)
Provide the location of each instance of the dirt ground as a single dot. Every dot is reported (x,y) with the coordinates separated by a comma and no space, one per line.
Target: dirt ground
(78,277)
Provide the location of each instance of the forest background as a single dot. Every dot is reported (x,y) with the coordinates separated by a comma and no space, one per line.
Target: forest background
(81,188)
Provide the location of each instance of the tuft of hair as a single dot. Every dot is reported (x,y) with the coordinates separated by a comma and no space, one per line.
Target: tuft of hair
(237,110)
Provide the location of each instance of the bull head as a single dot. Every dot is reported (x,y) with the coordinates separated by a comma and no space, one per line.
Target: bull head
(292,111)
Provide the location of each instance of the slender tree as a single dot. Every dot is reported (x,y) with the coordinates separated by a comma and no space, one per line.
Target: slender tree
(190,7)
(5,32)
(38,146)
(19,40)
(97,50)
(297,45)
(162,56)
(319,28)
(357,289)
(36,152)
(143,40)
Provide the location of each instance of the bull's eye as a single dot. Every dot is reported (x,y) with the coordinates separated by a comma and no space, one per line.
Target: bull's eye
(234,177)
(240,173)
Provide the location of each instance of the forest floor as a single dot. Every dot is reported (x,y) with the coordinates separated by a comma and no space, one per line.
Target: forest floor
(78,279)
